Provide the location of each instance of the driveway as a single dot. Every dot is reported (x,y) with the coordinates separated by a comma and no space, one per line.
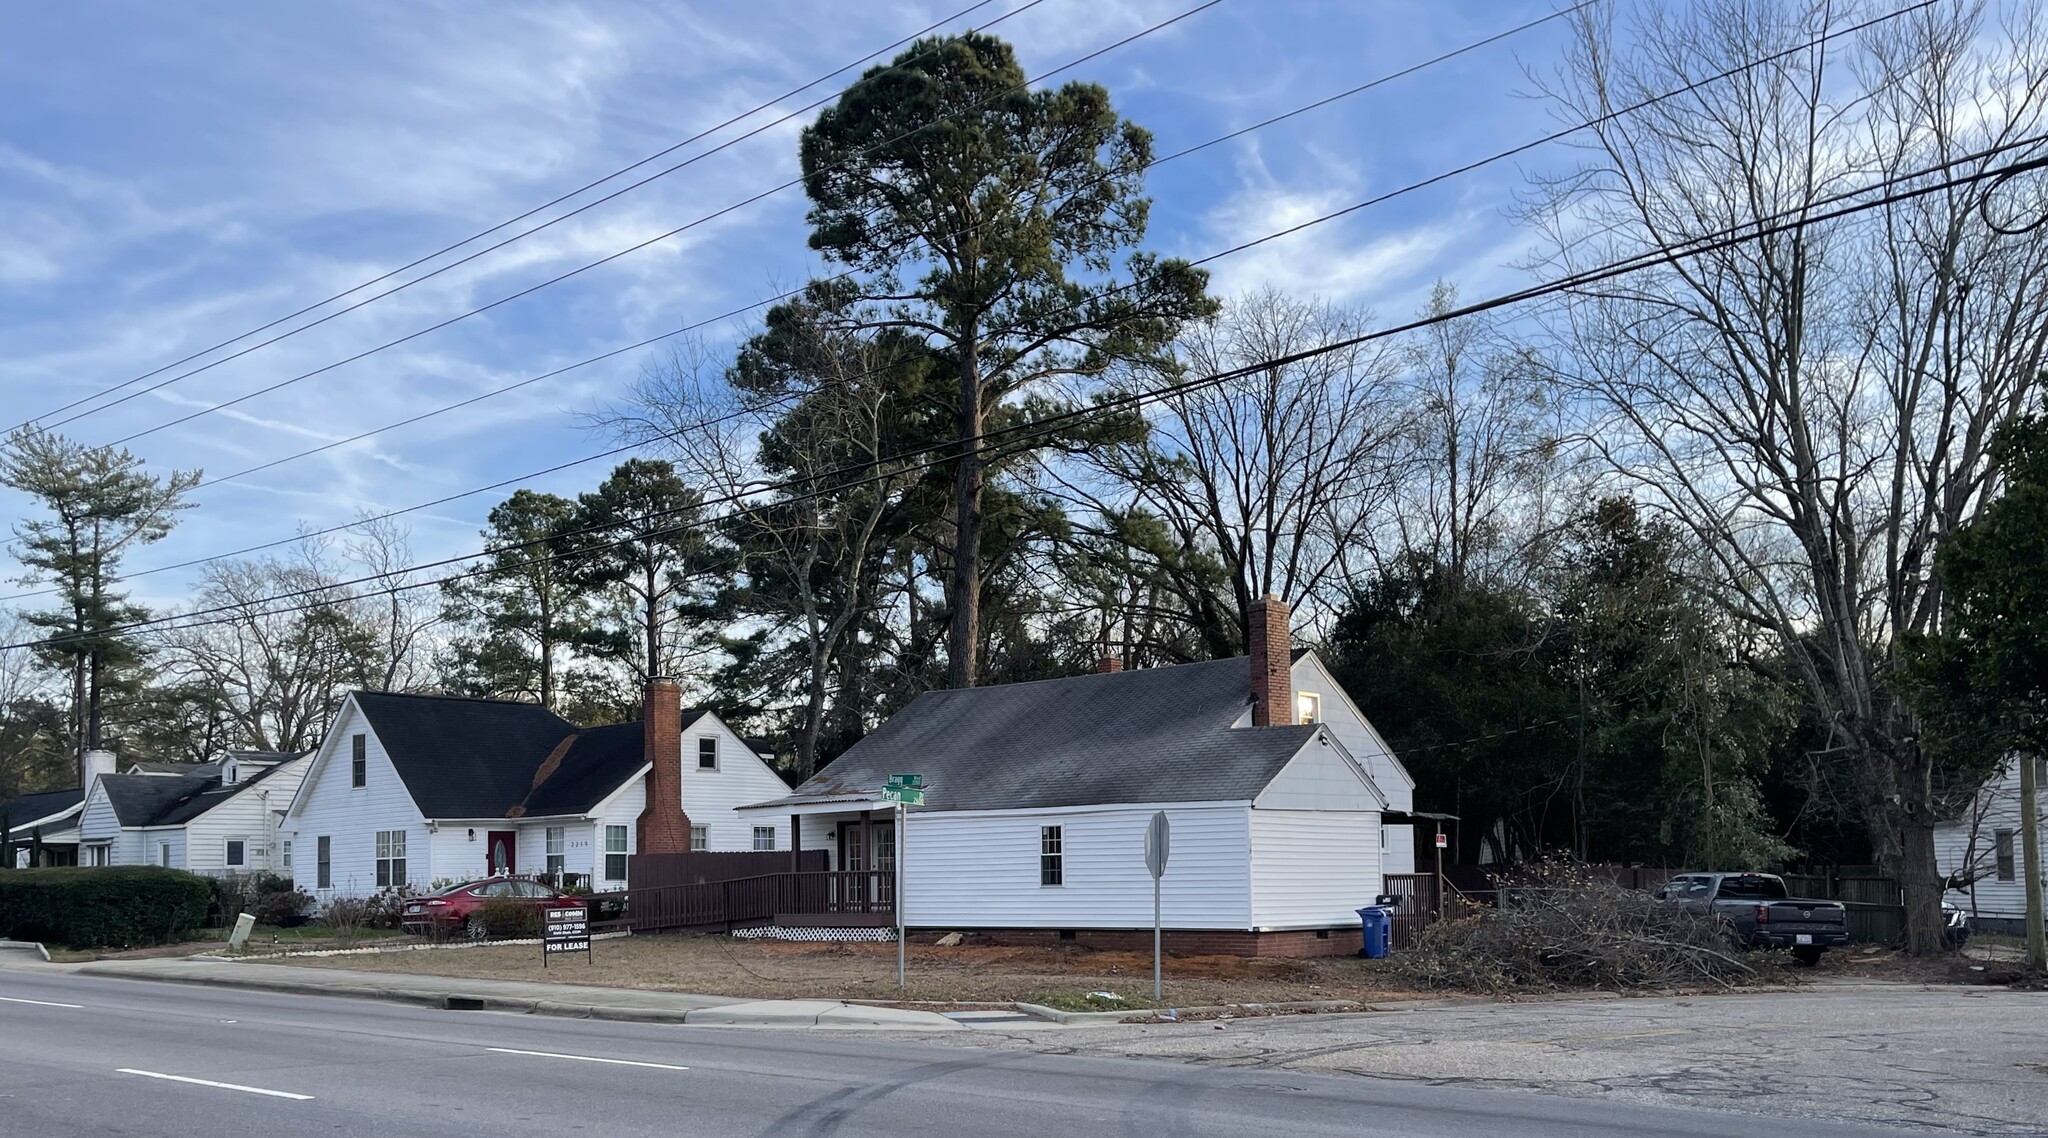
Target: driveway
(1974,1061)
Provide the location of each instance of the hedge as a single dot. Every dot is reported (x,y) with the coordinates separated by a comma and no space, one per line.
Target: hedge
(98,906)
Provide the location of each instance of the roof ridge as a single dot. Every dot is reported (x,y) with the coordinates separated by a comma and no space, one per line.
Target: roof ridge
(536,704)
(1124,672)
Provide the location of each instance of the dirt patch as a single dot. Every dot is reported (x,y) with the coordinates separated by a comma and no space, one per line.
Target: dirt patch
(1871,962)
(719,966)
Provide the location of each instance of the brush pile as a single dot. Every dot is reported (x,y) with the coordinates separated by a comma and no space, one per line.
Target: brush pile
(1558,929)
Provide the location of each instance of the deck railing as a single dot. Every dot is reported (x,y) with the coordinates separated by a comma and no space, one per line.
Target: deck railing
(753,901)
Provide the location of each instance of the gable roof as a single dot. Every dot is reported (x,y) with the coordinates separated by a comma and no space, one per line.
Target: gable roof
(486,758)
(172,800)
(26,810)
(1151,735)
(209,770)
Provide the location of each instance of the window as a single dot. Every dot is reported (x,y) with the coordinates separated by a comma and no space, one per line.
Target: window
(238,853)
(700,839)
(358,761)
(707,753)
(1051,871)
(390,859)
(1308,707)
(557,848)
(287,857)
(1383,837)
(323,877)
(614,853)
(163,854)
(764,838)
(96,855)
(2001,848)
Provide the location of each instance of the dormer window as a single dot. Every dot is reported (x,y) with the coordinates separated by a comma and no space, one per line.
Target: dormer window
(1308,707)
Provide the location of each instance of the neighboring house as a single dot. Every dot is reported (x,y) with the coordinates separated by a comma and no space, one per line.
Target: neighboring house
(407,790)
(211,770)
(1980,852)
(48,821)
(1038,796)
(218,823)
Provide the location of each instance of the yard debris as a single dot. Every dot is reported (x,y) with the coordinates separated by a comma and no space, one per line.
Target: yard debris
(1567,931)
(950,940)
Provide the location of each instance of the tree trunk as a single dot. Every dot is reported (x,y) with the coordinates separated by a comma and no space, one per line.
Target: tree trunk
(547,649)
(964,590)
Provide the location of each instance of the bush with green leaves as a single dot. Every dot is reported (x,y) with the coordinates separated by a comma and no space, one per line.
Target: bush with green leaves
(102,906)
(509,917)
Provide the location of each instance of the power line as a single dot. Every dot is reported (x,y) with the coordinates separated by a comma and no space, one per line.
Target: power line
(446,249)
(559,278)
(613,353)
(1342,212)
(1798,217)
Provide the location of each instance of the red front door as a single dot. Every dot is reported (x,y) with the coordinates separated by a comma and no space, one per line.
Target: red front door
(501,849)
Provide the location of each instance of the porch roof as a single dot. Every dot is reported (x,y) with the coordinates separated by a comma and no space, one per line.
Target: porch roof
(822,803)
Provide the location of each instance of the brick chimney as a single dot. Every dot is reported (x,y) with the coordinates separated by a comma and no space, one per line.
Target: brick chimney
(664,828)
(1272,665)
(1107,663)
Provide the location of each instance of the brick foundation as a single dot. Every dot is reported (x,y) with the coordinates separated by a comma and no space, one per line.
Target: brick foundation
(1190,942)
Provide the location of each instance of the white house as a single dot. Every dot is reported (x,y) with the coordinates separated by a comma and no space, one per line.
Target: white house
(1979,853)
(408,790)
(212,823)
(1038,796)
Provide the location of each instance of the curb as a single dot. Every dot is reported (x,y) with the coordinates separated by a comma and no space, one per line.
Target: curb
(25,946)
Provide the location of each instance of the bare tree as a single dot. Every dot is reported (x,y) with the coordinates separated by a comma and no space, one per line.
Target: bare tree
(1815,405)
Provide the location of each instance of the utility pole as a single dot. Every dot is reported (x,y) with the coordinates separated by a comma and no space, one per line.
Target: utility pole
(2030,852)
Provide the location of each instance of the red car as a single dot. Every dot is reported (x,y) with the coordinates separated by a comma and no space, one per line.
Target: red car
(461,906)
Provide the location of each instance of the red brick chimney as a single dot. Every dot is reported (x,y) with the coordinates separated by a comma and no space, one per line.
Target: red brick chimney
(1107,663)
(664,828)
(1272,663)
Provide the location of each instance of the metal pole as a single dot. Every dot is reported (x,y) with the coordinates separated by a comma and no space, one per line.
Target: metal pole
(2030,859)
(902,824)
(1439,871)
(1155,940)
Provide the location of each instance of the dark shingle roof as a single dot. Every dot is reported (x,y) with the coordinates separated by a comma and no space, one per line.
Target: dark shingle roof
(143,799)
(478,758)
(27,809)
(1153,735)
(208,770)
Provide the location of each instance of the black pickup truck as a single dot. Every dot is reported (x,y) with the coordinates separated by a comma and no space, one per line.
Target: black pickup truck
(1761,913)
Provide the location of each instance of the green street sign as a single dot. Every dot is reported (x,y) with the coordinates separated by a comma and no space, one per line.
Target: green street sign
(907,795)
(910,780)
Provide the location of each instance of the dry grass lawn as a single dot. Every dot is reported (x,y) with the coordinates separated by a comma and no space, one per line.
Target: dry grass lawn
(972,973)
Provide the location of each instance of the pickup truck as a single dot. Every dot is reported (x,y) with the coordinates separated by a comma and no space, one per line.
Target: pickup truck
(1761,913)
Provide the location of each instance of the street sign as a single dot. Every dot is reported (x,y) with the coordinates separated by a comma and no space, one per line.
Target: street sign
(1158,836)
(564,930)
(904,795)
(912,780)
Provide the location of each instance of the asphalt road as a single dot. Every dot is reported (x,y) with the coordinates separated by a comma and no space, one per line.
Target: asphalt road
(92,1056)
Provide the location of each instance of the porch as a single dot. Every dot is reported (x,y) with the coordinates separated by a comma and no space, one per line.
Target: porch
(814,899)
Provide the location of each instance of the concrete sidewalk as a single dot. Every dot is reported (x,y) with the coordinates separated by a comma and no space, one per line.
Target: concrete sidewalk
(574,1000)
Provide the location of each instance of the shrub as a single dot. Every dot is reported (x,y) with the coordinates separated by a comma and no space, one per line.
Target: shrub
(1564,930)
(509,917)
(347,916)
(282,908)
(102,906)
(386,910)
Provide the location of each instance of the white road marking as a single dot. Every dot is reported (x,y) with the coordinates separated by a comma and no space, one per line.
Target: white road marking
(40,1003)
(211,1083)
(587,1059)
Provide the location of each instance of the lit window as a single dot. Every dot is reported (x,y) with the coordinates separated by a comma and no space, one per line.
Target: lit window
(238,853)
(700,839)
(390,859)
(1308,707)
(614,853)
(764,838)
(557,850)
(358,761)
(707,753)
(1051,856)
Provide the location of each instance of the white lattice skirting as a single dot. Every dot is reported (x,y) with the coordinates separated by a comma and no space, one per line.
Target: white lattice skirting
(776,932)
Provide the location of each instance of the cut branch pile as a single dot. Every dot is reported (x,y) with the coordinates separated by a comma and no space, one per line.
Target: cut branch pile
(1562,930)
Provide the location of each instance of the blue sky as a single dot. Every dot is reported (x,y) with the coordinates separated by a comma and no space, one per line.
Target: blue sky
(173,175)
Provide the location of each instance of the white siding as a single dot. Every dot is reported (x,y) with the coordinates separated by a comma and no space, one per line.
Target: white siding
(98,824)
(623,810)
(1320,777)
(712,798)
(1968,843)
(980,869)
(1359,737)
(453,855)
(249,815)
(1313,868)
(327,805)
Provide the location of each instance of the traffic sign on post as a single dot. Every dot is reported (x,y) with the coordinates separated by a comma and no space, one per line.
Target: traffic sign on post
(1158,839)
(904,795)
(905,790)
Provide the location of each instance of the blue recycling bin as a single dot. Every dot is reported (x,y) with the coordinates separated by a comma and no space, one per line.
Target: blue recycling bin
(1379,931)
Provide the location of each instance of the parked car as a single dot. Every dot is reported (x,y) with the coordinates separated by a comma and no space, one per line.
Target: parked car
(461,906)
(1761,912)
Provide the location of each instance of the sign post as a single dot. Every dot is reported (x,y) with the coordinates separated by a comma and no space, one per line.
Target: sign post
(565,930)
(905,790)
(1158,836)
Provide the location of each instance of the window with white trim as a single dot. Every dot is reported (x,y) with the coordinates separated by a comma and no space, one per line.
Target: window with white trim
(238,853)
(358,761)
(1308,707)
(614,853)
(2001,855)
(707,752)
(323,864)
(764,838)
(700,839)
(1052,869)
(287,856)
(557,849)
(390,859)
(163,854)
